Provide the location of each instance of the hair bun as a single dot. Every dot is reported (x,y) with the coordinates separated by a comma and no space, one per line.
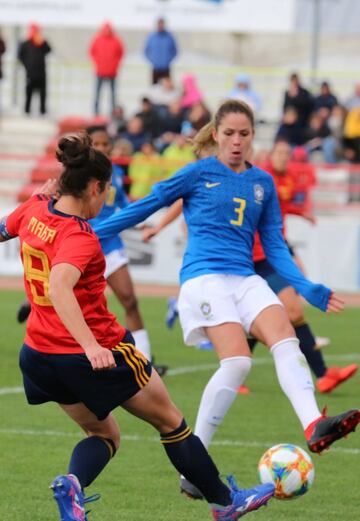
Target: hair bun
(74,149)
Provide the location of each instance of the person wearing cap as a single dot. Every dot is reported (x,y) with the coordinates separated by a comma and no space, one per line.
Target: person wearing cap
(242,91)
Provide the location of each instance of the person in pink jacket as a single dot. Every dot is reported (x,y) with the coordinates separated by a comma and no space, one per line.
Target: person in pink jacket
(106,51)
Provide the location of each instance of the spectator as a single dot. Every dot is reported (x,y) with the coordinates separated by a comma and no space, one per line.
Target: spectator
(150,118)
(177,155)
(135,133)
(2,50)
(354,101)
(352,135)
(290,129)
(191,93)
(300,98)
(316,132)
(198,116)
(118,121)
(32,54)
(106,51)
(164,92)
(326,99)
(242,91)
(144,170)
(333,144)
(173,118)
(160,50)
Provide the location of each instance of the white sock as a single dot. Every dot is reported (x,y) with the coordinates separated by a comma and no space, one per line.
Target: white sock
(142,342)
(219,394)
(295,379)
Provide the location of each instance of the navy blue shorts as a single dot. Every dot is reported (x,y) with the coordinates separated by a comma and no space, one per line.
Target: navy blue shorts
(267,272)
(69,379)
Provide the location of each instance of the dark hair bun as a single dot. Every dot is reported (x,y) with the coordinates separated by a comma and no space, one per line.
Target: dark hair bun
(74,149)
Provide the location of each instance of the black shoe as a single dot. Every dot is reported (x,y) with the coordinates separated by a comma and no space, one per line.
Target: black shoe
(189,489)
(161,369)
(23,312)
(331,428)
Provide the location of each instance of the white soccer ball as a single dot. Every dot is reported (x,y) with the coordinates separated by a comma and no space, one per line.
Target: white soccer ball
(289,468)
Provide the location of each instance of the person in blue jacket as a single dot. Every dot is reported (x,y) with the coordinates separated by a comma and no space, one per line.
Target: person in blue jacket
(225,201)
(160,50)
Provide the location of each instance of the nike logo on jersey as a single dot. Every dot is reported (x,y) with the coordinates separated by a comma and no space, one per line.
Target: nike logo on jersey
(211,185)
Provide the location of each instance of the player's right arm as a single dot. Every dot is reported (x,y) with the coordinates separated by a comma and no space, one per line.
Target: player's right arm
(4,233)
(63,279)
(173,213)
(163,194)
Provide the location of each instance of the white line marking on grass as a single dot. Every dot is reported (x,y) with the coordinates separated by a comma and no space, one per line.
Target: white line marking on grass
(11,390)
(152,439)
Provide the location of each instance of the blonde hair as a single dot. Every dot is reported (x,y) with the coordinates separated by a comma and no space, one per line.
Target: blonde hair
(203,142)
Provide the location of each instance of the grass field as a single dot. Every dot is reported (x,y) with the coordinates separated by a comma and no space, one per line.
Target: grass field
(139,484)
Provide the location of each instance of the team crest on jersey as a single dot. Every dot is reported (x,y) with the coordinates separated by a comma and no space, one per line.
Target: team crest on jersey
(258,193)
(205,309)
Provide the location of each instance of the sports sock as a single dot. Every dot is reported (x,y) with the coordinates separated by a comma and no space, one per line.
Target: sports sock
(307,345)
(89,457)
(191,459)
(295,379)
(142,342)
(219,394)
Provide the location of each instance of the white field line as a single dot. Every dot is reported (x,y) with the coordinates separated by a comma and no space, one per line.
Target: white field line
(148,439)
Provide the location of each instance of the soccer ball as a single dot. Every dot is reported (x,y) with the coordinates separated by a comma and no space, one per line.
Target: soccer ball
(289,468)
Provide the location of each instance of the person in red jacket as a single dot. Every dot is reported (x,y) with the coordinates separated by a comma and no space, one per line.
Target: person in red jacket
(106,51)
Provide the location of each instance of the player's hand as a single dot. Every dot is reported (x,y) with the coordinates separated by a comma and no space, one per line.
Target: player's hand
(50,187)
(100,358)
(335,304)
(147,233)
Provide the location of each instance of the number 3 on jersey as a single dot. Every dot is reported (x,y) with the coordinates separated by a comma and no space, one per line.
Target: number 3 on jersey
(239,209)
(37,273)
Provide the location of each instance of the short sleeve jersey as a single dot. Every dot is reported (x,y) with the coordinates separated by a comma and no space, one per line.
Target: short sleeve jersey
(222,209)
(49,237)
(115,201)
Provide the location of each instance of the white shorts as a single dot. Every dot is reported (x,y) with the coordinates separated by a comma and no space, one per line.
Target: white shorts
(210,300)
(115,260)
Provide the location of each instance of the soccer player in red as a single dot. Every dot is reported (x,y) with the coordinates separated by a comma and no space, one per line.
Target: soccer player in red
(77,355)
(284,175)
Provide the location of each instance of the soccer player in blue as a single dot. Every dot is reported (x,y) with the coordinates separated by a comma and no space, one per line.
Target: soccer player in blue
(225,201)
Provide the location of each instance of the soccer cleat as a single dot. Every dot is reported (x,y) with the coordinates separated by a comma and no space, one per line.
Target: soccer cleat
(205,346)
(172,312)
(189,489)
(161,369)
(321,433)
(243,501)
(70,498)
(23,312)
(243,389)
(334,376)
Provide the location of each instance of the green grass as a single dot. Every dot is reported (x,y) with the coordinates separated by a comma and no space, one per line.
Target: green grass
(139,483)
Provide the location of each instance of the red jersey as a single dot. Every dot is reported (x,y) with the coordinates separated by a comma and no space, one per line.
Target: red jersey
(49,237)
(286,190)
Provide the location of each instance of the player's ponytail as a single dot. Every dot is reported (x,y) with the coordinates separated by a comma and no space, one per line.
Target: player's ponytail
(203,142)
(81,164)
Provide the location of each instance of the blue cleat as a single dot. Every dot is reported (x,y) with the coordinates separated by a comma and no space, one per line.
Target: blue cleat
(70,498)
(243,501)
(172,312)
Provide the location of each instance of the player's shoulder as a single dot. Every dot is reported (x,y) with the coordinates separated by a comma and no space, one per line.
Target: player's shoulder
(262,175)
(82,226)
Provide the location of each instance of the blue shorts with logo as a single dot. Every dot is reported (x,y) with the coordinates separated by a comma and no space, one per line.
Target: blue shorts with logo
(267,272)
(70,379)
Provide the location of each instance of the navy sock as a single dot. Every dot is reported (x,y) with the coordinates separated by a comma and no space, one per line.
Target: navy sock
(307,345)
(190,458)
(252,341)
(89,457)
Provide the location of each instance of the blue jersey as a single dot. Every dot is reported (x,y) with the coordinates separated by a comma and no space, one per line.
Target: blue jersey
(223,210)
(115,201)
